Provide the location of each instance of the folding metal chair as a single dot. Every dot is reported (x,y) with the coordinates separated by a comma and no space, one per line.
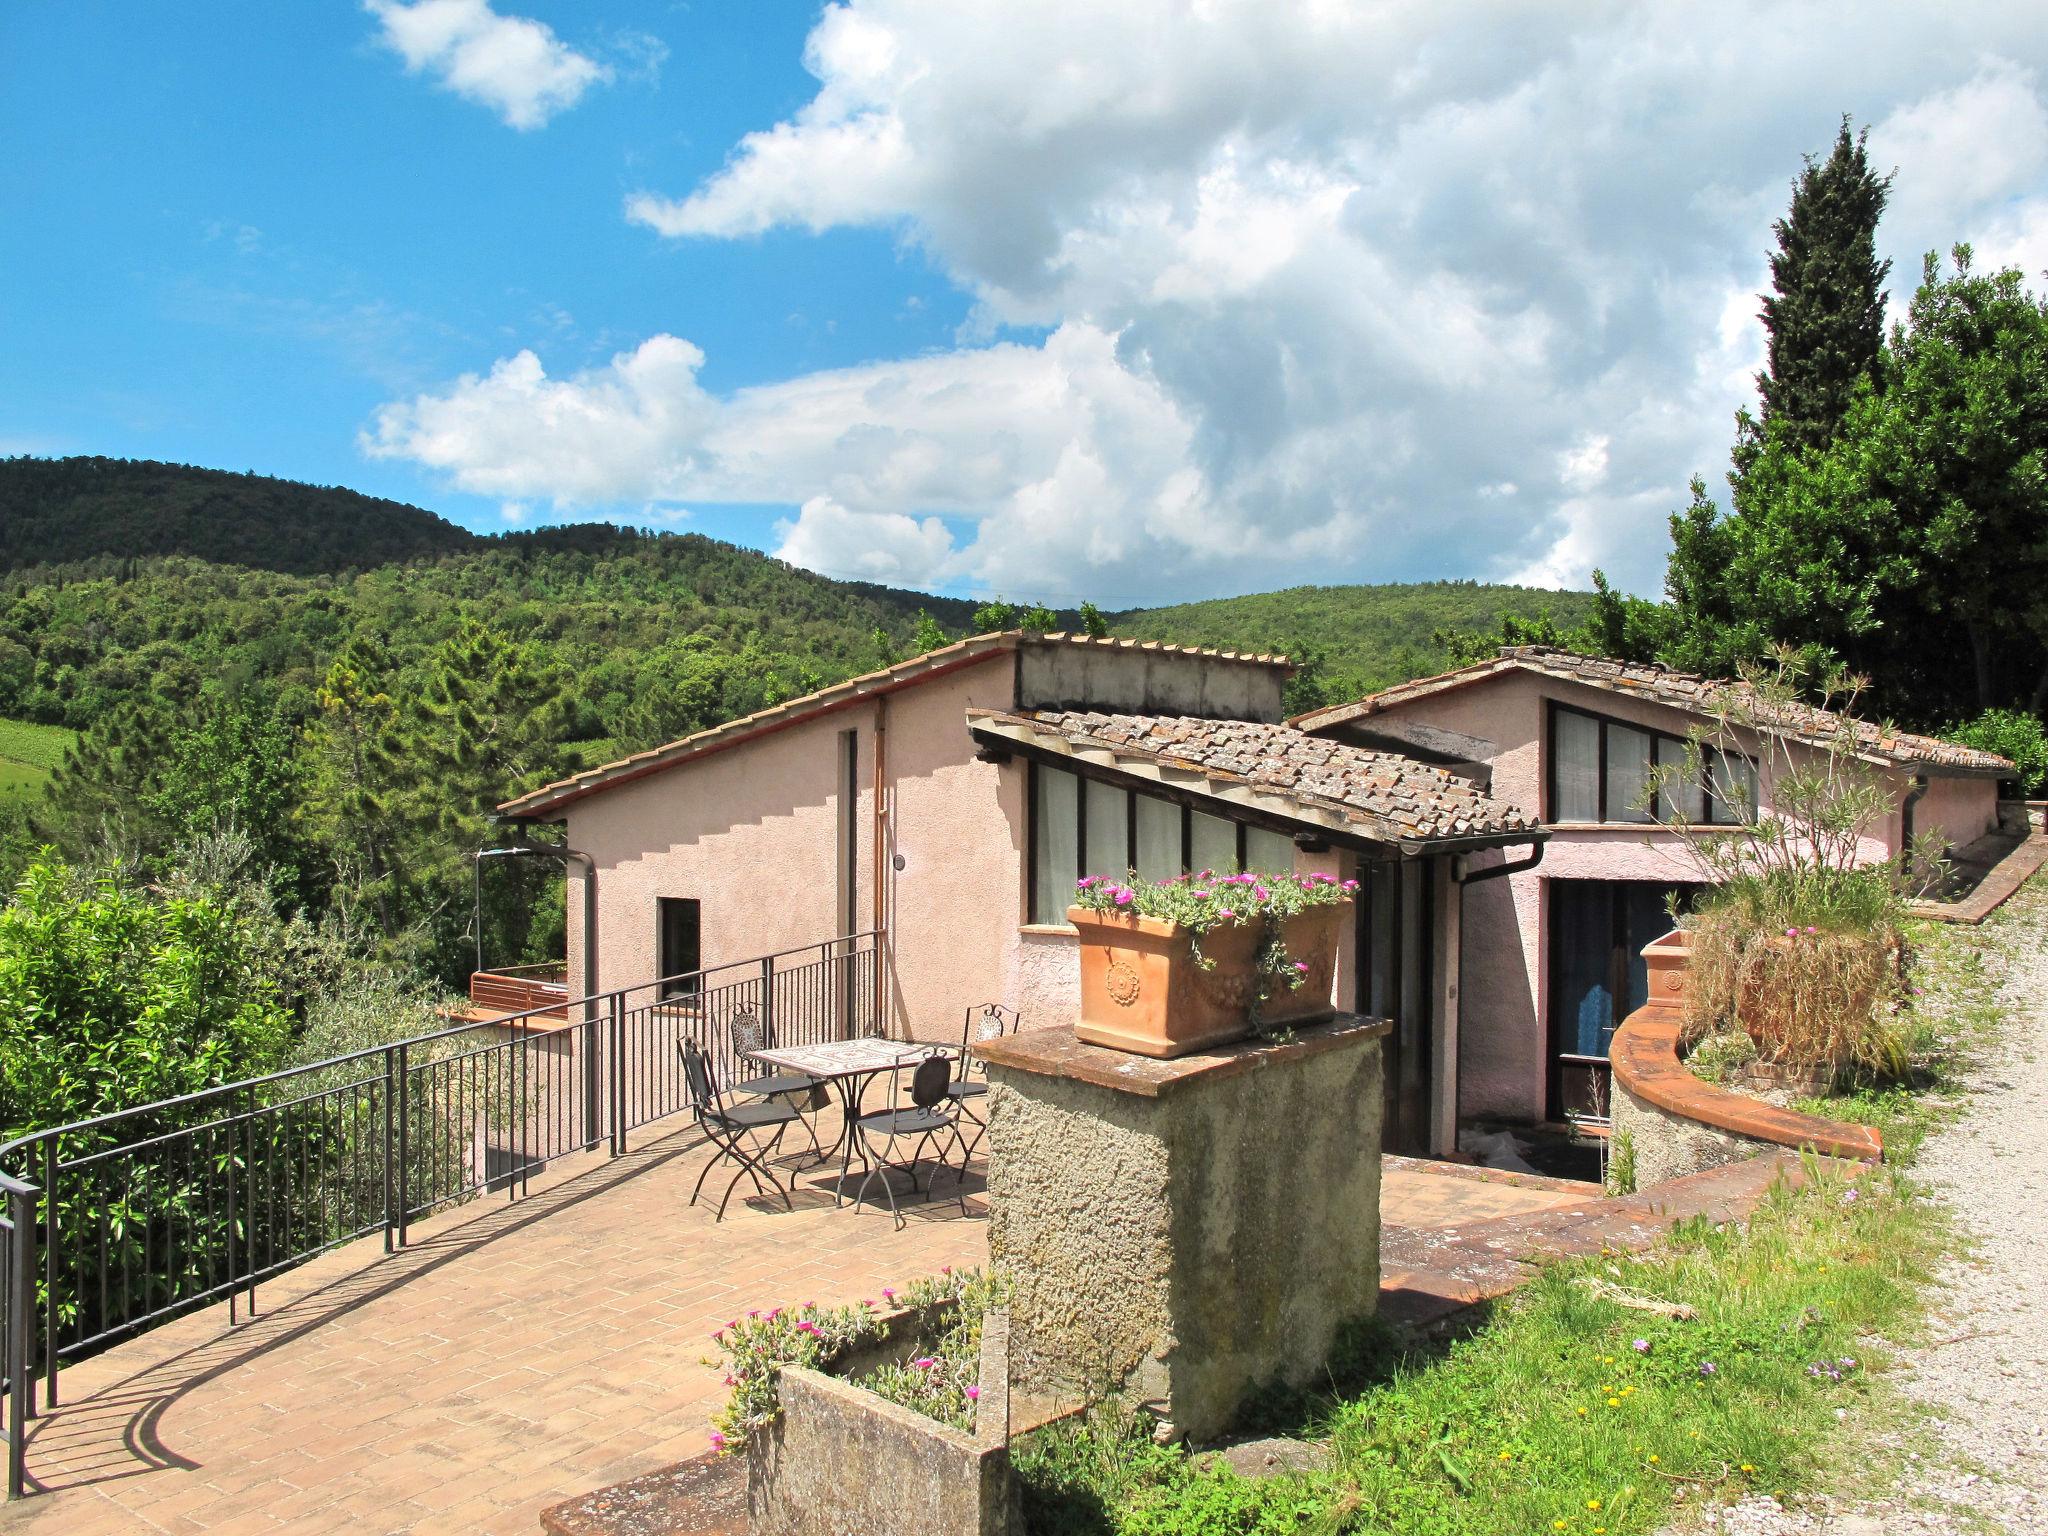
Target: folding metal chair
(730,1126)
(984,1022)
(930,1114)
(750,1035)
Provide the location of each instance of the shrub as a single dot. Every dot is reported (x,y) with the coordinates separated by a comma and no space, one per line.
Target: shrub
(2012,734)
(938,1378)
(1796,943)
(1812,1001)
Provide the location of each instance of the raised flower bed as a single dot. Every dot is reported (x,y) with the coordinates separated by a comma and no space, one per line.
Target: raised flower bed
(889,1417)
(1176,966)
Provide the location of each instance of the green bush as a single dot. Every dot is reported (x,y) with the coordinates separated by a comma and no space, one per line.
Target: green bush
(2013,734)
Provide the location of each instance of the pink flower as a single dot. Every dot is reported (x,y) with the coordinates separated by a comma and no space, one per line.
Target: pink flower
(717,1441)
(1301,966)
(1226,912)
(923,1364)
(1085,881)
(974,1394)
(887,1294)
(1791,933)
(774,1314)
(1123,896)
(1201,893)
(1813,930)
(808,1327)
(1350,885)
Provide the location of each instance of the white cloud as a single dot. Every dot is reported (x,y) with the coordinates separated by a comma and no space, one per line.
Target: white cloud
(515,66)
(1327,292)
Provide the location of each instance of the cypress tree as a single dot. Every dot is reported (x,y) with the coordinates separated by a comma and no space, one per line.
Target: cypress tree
(1826,313)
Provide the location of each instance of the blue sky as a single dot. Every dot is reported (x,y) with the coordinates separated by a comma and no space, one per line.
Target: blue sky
(1069,300)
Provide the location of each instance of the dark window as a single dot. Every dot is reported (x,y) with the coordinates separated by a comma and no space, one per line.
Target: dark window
(1598,769)
(1397,954)
(682,945)
(1088,827)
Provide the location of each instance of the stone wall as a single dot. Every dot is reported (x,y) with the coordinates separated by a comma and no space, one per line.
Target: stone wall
(842,1461)
(1675,1123)
(1184,1231)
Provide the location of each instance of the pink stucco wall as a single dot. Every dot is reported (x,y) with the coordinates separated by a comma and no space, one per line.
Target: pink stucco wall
(753,833)
(1502,1020)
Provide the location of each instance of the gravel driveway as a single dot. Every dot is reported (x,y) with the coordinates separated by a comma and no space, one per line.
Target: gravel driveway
(1985,1378)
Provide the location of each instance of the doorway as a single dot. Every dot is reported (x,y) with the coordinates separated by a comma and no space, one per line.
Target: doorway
(1396,981)
(1597,978)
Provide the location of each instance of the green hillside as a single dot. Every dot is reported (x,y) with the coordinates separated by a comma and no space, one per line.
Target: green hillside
(28,755)
(54,511)
(1368,636)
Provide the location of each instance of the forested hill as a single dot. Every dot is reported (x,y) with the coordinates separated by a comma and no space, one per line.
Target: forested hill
(1366,637)
(60,510)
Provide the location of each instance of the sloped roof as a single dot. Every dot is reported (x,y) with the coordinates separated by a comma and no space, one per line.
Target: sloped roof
(1682,690)
(947,658)
(1276,769)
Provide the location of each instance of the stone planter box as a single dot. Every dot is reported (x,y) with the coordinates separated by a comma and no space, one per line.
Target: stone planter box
(843,1461)
(1143,992)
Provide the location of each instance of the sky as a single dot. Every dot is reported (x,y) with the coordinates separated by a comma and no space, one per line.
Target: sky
(1123,300)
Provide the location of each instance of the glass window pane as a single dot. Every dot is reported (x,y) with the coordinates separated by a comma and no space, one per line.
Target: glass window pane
(1212,843)
(1684,797)
(1159,850)
(1109,829)
(1628,773)
(1734,784)
(1268,853)
(1575,769)
(1055,835)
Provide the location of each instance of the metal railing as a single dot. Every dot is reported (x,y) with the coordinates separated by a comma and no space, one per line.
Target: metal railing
(113,1225)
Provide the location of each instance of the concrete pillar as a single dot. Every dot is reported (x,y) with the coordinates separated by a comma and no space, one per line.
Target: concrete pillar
(1182,1232)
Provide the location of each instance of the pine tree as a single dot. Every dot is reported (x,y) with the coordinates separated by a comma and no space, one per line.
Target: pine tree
(1825,315)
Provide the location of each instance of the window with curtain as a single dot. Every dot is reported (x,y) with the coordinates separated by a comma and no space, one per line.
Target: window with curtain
(1575,768)
(1055,843)
(1086,827)
(1270,853)
(1628,774)
(1212,843)
(1599,770)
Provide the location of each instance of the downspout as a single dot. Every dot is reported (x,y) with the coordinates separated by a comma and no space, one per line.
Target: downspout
(541,850)
(1463,875)
(1913,794)
(884,955)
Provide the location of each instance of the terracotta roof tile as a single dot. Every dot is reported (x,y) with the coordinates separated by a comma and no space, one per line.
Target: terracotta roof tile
(1683,690)
(1386,796)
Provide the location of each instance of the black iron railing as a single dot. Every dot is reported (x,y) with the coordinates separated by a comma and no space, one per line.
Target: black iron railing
(113,1225)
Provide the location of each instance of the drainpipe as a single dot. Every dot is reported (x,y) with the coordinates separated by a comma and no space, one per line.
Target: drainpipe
(529,849)
(1913,794)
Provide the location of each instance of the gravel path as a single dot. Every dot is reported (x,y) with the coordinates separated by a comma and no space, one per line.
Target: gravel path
(1985,1380)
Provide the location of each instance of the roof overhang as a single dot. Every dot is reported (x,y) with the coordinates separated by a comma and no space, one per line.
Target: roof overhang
(1223,794)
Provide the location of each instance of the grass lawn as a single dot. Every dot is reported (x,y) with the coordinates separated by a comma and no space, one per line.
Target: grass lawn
(1566,1414)
(28,755)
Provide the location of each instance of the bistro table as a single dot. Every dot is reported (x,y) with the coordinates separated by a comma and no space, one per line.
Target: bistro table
(849,1065)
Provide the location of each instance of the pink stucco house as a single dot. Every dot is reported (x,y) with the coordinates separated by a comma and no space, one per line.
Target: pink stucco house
(951,801)
(1551,960)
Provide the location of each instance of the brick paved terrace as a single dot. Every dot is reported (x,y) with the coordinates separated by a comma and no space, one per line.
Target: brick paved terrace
(517,1354)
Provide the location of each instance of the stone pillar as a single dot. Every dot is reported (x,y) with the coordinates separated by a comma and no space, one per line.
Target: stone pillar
(1184,1231)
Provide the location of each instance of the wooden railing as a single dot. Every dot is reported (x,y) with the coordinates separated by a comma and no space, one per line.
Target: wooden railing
(522,988)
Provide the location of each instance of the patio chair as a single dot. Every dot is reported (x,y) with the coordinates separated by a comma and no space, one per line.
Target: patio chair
(750,1035)
(929,1115)
(731,1127)
(984,1022)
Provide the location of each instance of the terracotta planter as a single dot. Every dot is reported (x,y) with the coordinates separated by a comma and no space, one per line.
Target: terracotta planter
(1142,992)
(1668,959)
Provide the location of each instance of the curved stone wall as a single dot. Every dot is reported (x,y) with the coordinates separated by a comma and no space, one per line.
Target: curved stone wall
(1676,1124)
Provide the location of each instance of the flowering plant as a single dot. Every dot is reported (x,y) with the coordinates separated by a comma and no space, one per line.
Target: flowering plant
(940,1381)
(1201,902)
